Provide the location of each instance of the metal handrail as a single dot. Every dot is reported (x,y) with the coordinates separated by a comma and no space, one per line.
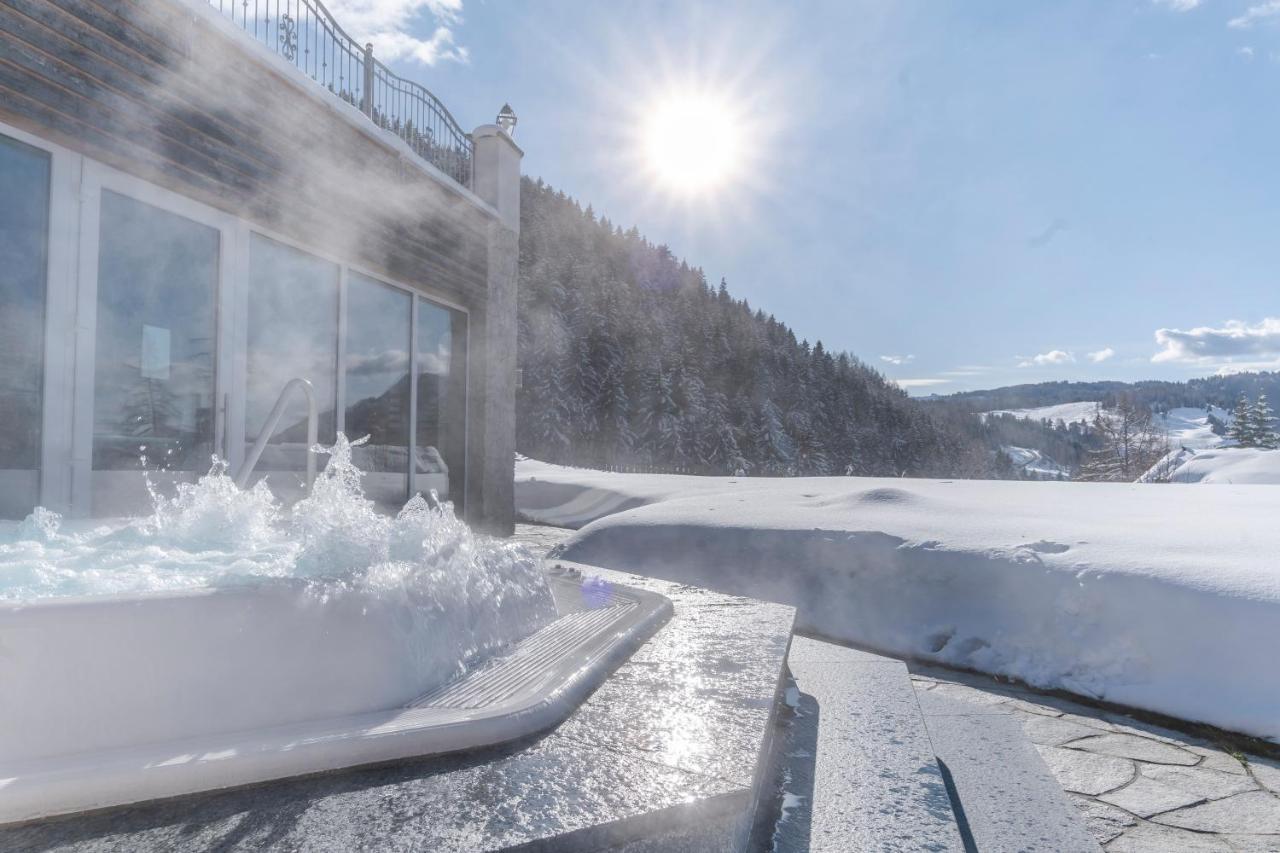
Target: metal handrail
(305,34)
(273,421)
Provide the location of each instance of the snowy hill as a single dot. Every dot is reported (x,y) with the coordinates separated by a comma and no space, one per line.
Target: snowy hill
(1156,597)
(1068,413)
(1034,463)
(1190,428)
(1233,465)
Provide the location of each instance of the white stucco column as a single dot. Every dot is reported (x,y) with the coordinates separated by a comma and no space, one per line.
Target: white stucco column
(496,179)
(497,172)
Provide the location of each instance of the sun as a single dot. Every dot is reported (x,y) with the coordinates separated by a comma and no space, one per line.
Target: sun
(693,142)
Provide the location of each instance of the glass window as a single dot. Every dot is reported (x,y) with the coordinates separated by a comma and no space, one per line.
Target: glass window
(377,384)
(153,381)
(24,237)
(293,332)
(439,445)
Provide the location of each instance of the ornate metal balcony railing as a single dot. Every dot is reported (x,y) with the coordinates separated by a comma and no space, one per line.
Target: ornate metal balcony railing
(305,34)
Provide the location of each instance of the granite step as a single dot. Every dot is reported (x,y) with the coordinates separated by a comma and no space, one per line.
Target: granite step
(858,766)
(866,764)
(1005,797)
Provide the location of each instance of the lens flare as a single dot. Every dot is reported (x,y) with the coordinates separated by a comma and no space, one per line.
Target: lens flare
(692,143)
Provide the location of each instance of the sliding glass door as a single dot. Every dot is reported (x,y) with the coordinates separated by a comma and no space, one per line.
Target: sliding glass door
(156,341)
(376,375)
(24,242)
(440,422)
(292,333)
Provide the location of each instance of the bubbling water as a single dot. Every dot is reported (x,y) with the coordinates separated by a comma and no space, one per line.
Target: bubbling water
(212,533)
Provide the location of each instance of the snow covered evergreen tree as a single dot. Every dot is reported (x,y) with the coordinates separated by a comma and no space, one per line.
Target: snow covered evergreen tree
(1261,418)
(1241,429)
(630,357)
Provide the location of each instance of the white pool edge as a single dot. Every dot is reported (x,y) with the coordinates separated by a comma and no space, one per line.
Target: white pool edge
(45,788)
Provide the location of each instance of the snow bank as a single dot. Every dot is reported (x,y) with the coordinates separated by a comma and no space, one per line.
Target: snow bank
(1161,598)
(1232,465)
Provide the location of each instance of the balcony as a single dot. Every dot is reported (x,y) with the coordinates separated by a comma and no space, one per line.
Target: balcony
(307,36)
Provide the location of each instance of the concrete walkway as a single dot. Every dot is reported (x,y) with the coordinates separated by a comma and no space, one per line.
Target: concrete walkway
(1142,788)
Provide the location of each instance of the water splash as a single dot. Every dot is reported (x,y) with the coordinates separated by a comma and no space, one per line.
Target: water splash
(213,533)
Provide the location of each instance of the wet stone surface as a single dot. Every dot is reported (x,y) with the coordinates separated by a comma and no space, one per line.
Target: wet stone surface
(664,753)
(1141,788)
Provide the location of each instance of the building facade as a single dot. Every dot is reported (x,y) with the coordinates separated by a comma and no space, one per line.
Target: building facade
(200,202)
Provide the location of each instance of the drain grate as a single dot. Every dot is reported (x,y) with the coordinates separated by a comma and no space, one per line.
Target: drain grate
(525,668)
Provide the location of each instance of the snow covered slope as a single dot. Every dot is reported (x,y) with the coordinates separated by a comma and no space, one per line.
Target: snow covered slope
(1234,465)
(1066,412)
(1190,428)
(1034,463)
(1146,595)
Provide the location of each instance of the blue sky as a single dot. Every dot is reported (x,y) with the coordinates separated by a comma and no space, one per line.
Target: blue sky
(964,194)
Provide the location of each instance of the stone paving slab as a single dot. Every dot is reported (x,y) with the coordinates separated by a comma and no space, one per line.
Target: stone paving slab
(602,780)
(1052,731)
(1010,799)
(1083,772)
(1253,811)
(1137,748)
(1141,788)
(1145,797)
(936,703)
(1203,782)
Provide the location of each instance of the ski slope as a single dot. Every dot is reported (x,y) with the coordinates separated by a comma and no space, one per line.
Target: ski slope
(1147,595)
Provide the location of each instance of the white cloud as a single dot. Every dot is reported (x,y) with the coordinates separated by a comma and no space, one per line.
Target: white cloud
(898,359)
(376,364)
(391,25)
(921,383)
(1056,356)
(1177,5)
(1246,52)
(439,48)
(1234,344)
(1258,12)
(1099,356)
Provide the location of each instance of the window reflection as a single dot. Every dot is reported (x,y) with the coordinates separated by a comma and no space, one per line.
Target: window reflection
(24,231)
(153,386)
(439,440)
(377,384)
(293,332)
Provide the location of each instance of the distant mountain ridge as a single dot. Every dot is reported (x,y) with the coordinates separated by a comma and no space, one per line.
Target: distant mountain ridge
(1220,391)
(1040,424)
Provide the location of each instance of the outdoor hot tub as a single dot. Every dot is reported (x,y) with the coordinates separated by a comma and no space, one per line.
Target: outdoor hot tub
(221,644)
(120,699)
